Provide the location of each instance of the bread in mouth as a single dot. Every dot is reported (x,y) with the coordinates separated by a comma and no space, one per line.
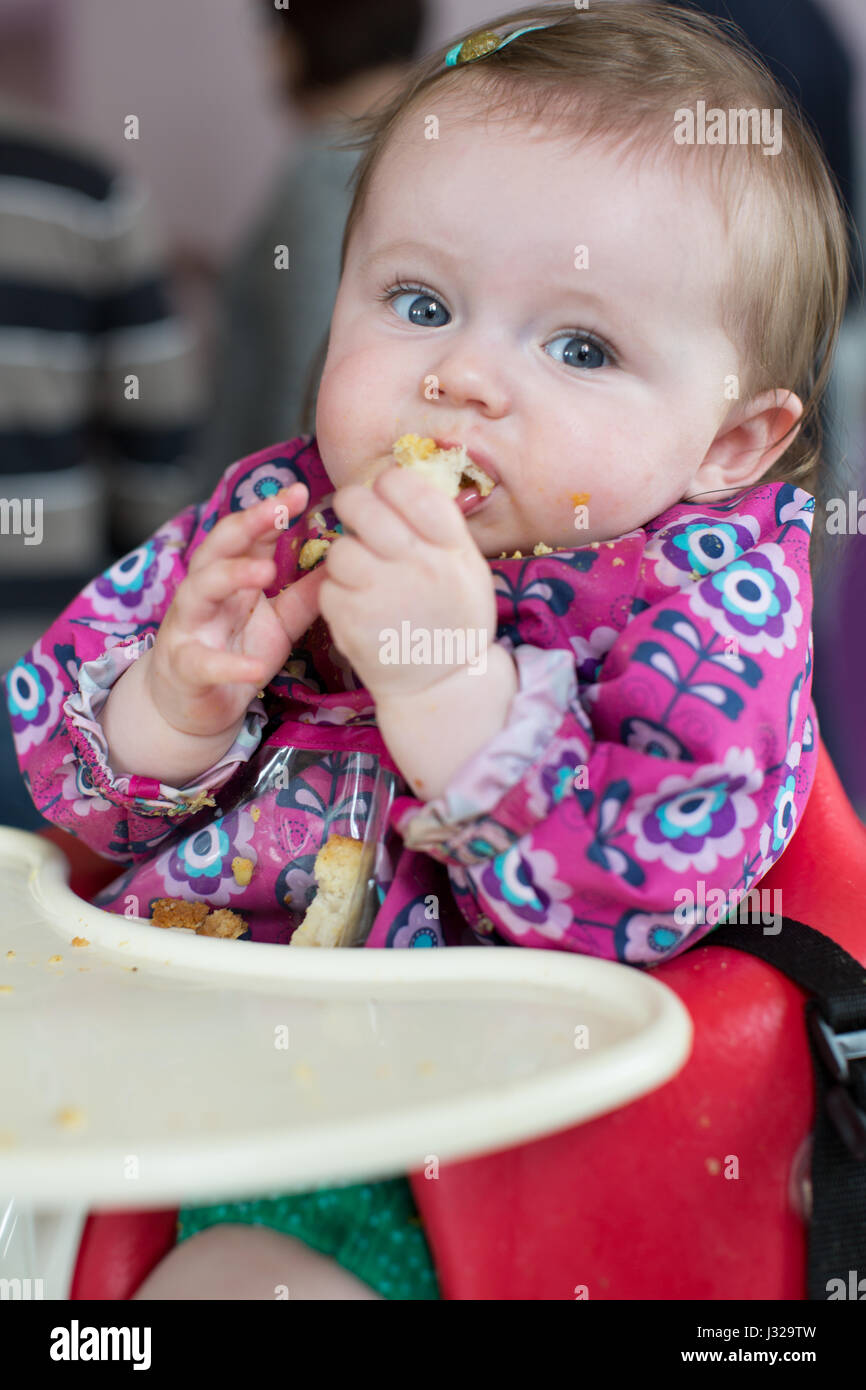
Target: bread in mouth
(447,469)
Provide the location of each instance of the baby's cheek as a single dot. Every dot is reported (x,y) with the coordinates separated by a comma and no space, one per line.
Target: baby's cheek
(355,428)
(340,425)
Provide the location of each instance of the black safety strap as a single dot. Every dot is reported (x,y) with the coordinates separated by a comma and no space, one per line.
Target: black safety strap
(836,1026)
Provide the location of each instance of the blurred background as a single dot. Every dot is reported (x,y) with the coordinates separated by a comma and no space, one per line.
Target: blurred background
(152,156)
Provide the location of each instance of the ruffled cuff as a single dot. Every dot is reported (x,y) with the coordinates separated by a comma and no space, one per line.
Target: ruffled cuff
(146,795)
(547,691)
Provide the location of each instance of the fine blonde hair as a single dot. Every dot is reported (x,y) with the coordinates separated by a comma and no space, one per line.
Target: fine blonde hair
(617,72)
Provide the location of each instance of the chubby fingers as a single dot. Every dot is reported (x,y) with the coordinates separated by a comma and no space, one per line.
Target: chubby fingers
(398,511)
(297,605)
(352,564)
(201,666)
(253,531)
(213,584)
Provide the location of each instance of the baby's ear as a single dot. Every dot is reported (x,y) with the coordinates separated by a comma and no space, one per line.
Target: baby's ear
(750,439)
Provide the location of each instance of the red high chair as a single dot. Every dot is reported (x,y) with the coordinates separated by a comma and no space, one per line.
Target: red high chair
(641,1203)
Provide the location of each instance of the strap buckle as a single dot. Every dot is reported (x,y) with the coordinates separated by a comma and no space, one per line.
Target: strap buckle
(836,1050)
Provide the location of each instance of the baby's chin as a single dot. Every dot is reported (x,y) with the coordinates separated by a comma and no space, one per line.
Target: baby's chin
(502,529)
(497,542)
(511,551)
(498,533)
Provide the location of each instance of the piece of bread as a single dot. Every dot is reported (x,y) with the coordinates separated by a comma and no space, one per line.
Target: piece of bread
(198,917)
(337,866)
(242,870)
(447,469)
(223,922)
(314,549)
(176,912)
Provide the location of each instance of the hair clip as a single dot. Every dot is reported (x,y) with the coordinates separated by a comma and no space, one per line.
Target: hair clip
(482,43)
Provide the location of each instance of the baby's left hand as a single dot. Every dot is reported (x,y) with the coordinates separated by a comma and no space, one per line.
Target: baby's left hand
(410,559)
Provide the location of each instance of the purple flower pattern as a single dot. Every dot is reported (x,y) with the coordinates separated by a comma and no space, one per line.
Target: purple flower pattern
(663,730)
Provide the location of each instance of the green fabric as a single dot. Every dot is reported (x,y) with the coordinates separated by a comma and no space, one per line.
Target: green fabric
(372,1229)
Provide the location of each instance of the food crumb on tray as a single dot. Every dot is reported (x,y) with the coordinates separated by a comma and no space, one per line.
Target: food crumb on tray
(70,1117)
(175,912)
(223,923)
(198,917)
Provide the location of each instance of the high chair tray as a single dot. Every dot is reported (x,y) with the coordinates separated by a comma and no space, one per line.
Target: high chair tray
(150,1067)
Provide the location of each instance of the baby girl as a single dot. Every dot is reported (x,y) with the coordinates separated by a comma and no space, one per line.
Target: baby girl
(630,334)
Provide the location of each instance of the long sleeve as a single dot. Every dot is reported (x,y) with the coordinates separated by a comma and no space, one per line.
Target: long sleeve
(56,690)
(654,765)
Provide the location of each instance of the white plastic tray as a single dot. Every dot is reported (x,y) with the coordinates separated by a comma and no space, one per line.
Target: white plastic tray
(156,1067)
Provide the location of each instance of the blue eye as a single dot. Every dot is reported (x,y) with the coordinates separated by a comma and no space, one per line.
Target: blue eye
(581,350)
(415,304)
(422,307)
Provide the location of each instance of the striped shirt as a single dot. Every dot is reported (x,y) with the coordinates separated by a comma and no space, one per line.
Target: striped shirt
(100,381)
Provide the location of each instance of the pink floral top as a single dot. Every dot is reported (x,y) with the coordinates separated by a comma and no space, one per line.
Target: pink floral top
(656,759)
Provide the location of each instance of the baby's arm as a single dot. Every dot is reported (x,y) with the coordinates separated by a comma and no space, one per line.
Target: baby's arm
(141,743)
(684,766)
(431,733)
(59,689)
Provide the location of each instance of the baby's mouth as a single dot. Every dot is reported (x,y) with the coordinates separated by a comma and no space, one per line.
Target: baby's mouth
(470,498)
(479,479)
(467,476)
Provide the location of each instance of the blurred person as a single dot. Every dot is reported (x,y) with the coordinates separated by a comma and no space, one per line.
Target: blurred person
(100,387)
(331,60)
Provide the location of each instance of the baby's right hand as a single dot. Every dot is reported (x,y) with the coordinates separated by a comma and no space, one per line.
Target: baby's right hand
(222,639)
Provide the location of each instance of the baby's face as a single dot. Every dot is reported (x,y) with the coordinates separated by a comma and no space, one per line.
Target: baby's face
(566,378)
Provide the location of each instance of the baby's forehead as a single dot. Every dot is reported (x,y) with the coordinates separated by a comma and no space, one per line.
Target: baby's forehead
(459,127)
(519,177)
